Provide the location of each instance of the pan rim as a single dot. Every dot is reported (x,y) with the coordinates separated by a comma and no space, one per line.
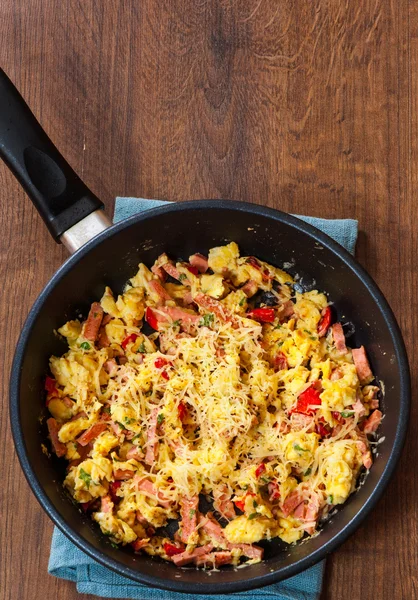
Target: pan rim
(286,571)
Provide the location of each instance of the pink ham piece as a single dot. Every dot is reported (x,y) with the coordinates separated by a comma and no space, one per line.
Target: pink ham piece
(135,453)
(223,503)
(123,474)
(361,362)
(157,267)
(138,544)
(339,338)
(213,529)
(147,486)
(152,438)
(60,449)
(111,366)
(166,315)
(159,291)
(171,270)
(216,307)
(83,451)
(199,261)
(249,550)
(293,500)
(94,320)
(102,339)
(92,433)
(186,558)
(358,408)
(373,422)
(189,514)
(286,310)
(214,559)
(363,445)
(250,288)
(106,504)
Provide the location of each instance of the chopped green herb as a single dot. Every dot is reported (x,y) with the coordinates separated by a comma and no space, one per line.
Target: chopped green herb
(107,410)
(299,448)
(192,512)
(347,413)
(278,326)
(105,532)
(141,348)
(86,477)
(121,425)
(279,344)
(85,346)
(114,545)
(149,393)
(265,480)
(207,320)
(252,516)
(307,331)
(244,487)
(330,499)
(160,418)
(308,472)
(255,504)
(176,323)
(242,301)
(182,276)
(128,420)
(312,337)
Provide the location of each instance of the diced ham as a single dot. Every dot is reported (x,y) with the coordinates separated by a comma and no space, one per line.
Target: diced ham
(374,403)
(336,374)
(293,500)
(186,558)
(162,315)
(280,361)
(94,320)
(363,445)
(171,270)
(134,452)
(248,550)
(83,451)
(358,408)
(213,529)
(212,305)
(299,512)
(60,449)
(250,288)
(312,511)
(138,544)
(361,362)
(102,339)
(214,559)
(106,504)
(123,474)
(223,503)
(152,438)
(156,287)
(92,433)
(370,395)
(141,519)
(111,366)
(199,261)
(189,514)
(157,267)
(286,310)
(148,487)
(373,422)
(339,338)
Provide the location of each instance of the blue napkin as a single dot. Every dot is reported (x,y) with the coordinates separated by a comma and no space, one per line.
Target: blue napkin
(68,562)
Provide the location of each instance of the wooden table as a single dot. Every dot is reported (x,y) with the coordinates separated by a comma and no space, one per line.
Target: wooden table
(305,105)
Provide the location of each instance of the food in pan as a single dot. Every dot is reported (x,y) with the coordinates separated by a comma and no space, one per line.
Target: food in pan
(243,392)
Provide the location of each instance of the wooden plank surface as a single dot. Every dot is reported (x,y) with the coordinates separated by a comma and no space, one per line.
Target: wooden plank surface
(305,105)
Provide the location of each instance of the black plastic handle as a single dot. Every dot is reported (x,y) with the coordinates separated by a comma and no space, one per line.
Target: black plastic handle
(57,192)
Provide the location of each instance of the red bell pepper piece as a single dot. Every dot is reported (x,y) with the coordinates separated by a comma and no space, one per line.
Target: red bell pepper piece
(241,503)
(192,269)
(129,340)
(50,385)
(306,399)
(113,487)
(172,550)
(324,322)
(260,470)
(182,411)
(165,375)
(337,416)
(265,315)
(150,318)
(159,363)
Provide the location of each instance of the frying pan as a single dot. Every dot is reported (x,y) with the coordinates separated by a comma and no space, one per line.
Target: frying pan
(108,255)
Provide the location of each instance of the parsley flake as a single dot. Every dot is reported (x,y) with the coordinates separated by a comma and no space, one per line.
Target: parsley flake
(160,418)
(182,276)
(330,499)
(141,348)
(192,512)
(299,448)
(252,516)
(242,301)
(86,477)
(347,413)
(207,320)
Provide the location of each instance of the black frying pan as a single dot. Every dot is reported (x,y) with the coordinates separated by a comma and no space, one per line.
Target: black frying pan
(110,258)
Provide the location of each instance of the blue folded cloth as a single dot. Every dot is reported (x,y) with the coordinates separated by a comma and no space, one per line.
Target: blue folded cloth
(68,562)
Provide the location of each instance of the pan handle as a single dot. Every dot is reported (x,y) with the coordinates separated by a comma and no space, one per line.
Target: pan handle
(59,195)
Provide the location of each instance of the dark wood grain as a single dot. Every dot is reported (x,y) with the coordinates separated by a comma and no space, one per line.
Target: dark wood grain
(305,105)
